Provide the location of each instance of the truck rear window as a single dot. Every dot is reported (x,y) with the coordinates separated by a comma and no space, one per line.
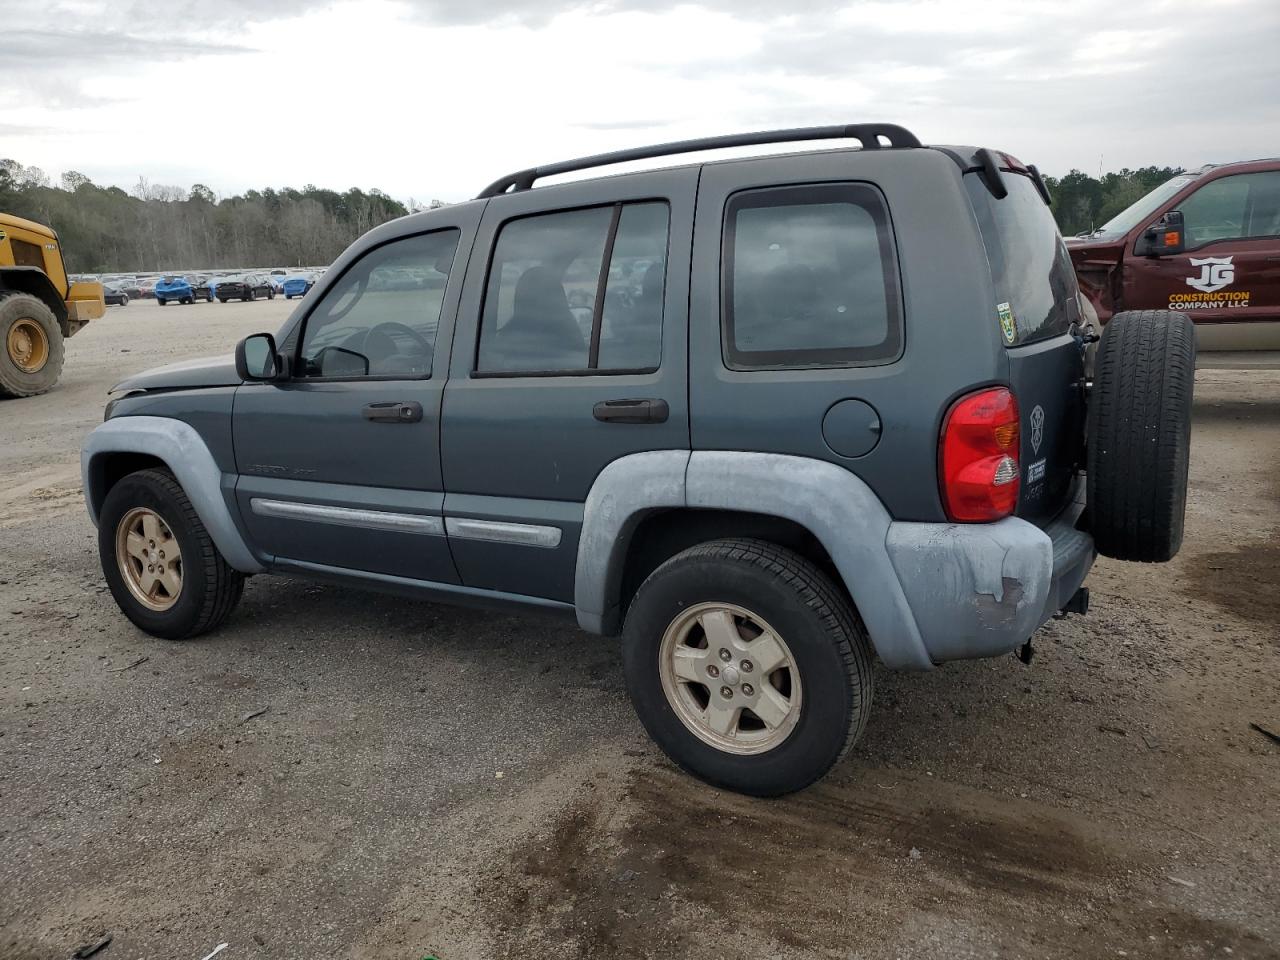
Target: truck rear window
(1030,268)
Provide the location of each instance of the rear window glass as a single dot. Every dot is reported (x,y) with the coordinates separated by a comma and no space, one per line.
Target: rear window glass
(810,278)
(1030,268)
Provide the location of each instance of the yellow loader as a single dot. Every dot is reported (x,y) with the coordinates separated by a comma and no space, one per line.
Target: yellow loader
(39,307)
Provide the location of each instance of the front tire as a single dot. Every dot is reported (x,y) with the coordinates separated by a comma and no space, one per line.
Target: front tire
(747,666)
(160,563)
(31,348)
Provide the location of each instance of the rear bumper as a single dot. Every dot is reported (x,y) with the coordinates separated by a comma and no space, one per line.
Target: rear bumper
(981,590)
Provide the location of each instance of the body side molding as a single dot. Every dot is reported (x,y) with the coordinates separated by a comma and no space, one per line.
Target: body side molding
(348,516)
(181,448)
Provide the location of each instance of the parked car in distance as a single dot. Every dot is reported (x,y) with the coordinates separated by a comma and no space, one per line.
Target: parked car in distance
(115,294)
(201,288)
(836,406)
(245,286)
(1204,243)
(174,289)
(147,286)
(297,285)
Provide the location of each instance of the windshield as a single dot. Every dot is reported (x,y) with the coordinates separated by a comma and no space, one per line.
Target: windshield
(1136,212)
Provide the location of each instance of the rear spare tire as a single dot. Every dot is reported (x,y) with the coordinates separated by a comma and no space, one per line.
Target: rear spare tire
(30,346)
(1140,434)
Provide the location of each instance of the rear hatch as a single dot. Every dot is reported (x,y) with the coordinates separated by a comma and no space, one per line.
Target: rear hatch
(1036,312)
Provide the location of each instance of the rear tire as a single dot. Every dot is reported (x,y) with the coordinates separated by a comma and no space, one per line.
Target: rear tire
(813,708)
(1140,434)
(210,588)
(31,348)
(161,301)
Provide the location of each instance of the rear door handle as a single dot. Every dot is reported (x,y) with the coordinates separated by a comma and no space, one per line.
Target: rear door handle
(632,411)
(393,411)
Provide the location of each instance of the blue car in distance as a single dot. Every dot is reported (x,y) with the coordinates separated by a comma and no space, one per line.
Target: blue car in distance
(175,288)
(296,285)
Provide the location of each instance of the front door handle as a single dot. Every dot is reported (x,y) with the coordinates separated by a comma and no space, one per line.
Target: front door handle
(632,411)
(393,411)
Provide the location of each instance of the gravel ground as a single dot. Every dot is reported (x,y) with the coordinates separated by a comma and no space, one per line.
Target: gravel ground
(427,779)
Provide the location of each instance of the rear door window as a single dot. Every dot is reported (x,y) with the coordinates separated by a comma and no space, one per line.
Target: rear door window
(810,278)
(576,292)
(1030,267)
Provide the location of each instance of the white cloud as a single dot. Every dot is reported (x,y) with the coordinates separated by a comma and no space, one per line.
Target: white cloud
(438,97)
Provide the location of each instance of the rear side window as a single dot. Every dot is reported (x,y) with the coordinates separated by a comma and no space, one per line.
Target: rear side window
(576,292)
(1030,268)
(810,278)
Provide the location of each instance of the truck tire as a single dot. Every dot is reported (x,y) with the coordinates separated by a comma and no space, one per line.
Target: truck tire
(31,349)
(747,666)
(174,593)
(1139,443)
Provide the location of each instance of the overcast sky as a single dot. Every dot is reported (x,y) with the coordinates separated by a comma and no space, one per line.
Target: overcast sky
(435,98)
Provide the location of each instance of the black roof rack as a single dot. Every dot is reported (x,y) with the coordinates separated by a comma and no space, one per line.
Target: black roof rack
(868,134)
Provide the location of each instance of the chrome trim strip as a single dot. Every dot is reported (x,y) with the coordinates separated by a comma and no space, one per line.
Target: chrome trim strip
(502,531)
(349,517)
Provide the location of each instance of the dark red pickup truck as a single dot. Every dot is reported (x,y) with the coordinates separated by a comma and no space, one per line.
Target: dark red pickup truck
(1206,243)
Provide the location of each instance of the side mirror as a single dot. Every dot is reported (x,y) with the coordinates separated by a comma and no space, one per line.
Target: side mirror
(257,359)
(1165,237)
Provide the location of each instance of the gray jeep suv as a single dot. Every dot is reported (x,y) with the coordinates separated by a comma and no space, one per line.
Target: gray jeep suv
(761,417)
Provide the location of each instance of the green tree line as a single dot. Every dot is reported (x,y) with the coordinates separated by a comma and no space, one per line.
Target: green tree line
(1082,202)
(155,228)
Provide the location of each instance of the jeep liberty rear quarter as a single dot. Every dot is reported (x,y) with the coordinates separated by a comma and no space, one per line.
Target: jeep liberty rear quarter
(762,417)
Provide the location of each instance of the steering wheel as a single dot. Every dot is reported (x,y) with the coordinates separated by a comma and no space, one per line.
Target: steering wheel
(384,330)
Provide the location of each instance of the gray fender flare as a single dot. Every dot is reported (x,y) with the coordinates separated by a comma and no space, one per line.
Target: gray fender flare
(836,506)
(185,453)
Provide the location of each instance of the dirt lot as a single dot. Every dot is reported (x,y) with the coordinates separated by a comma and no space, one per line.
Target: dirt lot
(475,785)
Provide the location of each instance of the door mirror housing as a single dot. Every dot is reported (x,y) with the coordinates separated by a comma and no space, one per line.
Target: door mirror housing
(258,359)
(1166,237)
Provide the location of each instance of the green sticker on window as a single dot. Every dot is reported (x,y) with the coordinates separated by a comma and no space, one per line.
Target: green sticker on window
(1007,324)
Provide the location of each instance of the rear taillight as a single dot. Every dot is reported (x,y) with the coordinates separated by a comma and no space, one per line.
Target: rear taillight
(978,457)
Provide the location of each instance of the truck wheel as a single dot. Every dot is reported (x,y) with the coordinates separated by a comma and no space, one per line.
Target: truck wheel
(1140,434)
(31,351)
(160,563)
(747,666)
